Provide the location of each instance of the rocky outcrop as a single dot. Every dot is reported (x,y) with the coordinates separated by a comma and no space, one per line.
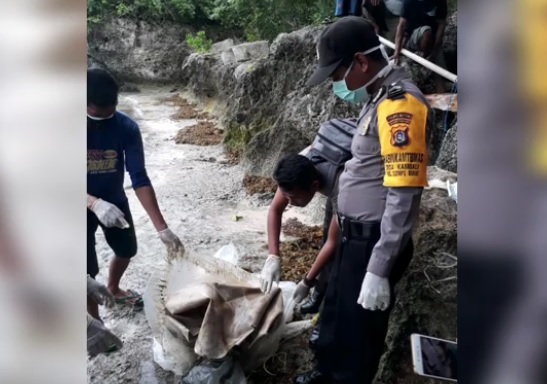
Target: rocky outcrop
(450,43)
(427,294)
(139,51)
(270,111)
(448,154)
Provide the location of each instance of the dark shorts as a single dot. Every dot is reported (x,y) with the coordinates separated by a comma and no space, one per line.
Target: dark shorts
(122,241)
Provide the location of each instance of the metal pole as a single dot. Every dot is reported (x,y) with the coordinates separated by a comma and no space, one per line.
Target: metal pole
(420,60)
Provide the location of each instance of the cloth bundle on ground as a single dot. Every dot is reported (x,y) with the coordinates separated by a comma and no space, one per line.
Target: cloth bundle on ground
(216,317)
(207,314)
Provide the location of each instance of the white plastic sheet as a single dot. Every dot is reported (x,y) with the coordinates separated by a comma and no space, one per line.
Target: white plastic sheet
(228,253)
(452,190)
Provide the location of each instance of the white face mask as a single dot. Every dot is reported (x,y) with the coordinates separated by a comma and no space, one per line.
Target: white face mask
(360,95)
(101,118)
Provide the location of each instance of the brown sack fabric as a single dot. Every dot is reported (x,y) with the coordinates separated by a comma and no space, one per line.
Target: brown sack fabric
(218,317)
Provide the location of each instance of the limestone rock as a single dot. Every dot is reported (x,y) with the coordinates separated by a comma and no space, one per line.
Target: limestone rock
(448,154)
(450,43)
(222,46)
(228,57)
(270,111)
(139,51)
(251,51)
(242,69)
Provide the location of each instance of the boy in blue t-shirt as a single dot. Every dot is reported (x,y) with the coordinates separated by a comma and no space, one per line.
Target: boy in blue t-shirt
(114,144)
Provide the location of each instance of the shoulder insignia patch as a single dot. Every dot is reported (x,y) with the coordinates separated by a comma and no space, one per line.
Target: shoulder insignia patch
(399,123)
(396,91)
(364,126)
(379,93)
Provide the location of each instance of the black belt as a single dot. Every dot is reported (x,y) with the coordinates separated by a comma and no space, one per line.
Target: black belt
(366,229)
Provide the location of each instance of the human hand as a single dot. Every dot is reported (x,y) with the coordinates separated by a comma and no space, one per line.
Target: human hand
(171,240)
(302,291)
(99,292)
(109,214)
(270,272)
(375,293)
(100,339)
(396,58)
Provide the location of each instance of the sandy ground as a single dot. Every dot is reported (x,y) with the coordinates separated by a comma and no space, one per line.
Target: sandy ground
(199,197)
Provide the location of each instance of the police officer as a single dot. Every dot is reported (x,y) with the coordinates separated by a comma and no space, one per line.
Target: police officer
(378,203)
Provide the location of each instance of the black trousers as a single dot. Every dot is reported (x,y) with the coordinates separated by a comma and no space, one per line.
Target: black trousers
(323,280)
(351,341)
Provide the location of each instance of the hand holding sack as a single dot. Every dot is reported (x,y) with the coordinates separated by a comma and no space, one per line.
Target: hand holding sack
(270,272)
(171,240)
(302,291)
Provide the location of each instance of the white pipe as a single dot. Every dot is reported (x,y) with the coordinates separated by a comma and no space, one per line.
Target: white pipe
(420,60)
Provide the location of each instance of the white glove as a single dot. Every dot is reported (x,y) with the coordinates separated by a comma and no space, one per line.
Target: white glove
(375,293)
(99,292)
(109,214)
(270,272)
(171,240)
(302,291)
(100,339)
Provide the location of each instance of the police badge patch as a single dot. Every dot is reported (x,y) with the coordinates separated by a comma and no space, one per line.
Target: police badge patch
(399,137)
(399,123)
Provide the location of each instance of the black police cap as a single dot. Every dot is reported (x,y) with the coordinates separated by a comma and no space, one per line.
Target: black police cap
(339,42)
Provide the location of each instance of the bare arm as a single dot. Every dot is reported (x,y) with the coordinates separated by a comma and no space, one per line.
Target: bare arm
(327,251)
(275,213)
(147,197)
(399,36)
(134,162)
(441,26)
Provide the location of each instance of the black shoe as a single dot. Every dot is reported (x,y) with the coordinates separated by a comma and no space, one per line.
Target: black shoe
(312,304)
(312,377)
(314,337)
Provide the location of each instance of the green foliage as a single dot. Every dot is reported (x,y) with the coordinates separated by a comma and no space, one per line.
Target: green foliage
(199,42)
(255,19)
(452,6)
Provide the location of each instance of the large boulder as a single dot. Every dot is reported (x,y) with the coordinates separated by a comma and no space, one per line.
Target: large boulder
(427,294)
(251,51)
(139,51)
(448,154)
(222,46)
